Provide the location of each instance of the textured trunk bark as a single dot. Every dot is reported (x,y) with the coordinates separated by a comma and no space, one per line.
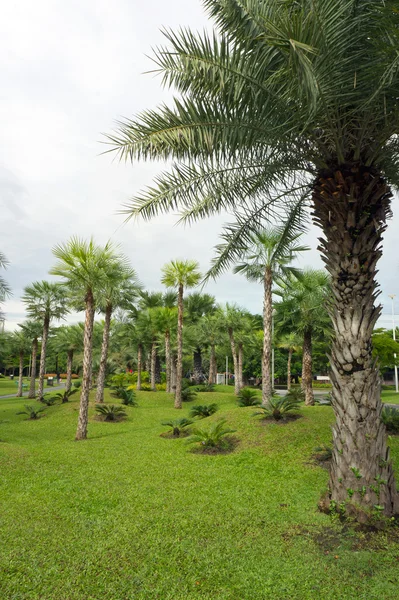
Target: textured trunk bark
(167,357)
(173,366)
(68,384)
(197,359)
(212,365)
(32,384)
(240,363)
(81,432)
(267,385)
(153,364)
(42,367)
(289,370)
(104,355)
(179,366)
(307,368)
(21,374)
(351,205)
(158,377)
(139,360)
(235,362)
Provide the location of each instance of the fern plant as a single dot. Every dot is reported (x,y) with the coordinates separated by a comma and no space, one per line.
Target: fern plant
(32,412)
(110,412)
(248,397)
(188,394)
(214,437)
(177,426)
(277,408)
(128,397)
(203,410)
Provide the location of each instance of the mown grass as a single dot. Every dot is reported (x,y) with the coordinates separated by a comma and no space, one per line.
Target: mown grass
(128,514)
(390,396)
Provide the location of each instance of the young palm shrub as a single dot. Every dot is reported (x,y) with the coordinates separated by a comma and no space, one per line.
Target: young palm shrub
(177,426)
(296,394)
(49,400)
(110,412)
(278,408)
(32,411)
(188,394)
(77,384)
(323,453)
(390,418)
(325,400)
(213,438)
(248,397)
(128,397)
(203,411)
(206,387)
(65,395)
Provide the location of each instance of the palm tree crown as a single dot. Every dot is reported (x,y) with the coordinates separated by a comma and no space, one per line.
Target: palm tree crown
(181,272)
(45,300)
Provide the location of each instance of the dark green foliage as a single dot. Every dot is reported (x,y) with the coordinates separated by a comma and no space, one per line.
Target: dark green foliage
(248,397)
(214,437)
(203,411)
(205,387)
(324,400)
(77,384)
(296,394)
(32,411)
(188,394)
(323,453)
(128,397)
(110,412)
(176,426)
(64,396)
(49,400)
(390,417)
(277,408)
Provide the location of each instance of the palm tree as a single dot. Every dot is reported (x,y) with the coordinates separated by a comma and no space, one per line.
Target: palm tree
(166,321)
(266,258)
(69,339)
(235,321)
(196,307)
(86,269)
(180,274)
(293,99)
(5,289)
(44,301)
(148,328)
(33,330)
(291,343)
(21,345)
(302,310)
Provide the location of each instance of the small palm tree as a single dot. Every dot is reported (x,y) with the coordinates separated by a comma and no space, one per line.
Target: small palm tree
(48,400)
(177,426)
(203,411)
(21,344)
(180,274)
(33,412)
(65,395)
(44,301)
(166,321)
(32,330)
(290,342)
(5,290)
(110,412)
(188,394)
(248,397)
(128,397)
(277,408)
(69,339)
(214,437)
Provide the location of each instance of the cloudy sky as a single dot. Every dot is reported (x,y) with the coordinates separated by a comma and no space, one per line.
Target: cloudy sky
(68,71)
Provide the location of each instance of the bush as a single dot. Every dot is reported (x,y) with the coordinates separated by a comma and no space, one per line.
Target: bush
(110,412)
(77,384)
(161,387)
(390,417)
(64,396)
(248,397)
(188,394)
(296,394)
(277,408)
(146,387)
(205,387)
(203,411)
(73,376)
(325,400)
(323,453)
(214,437)
(177,426)
(128,397)
(48,401)
(32,412)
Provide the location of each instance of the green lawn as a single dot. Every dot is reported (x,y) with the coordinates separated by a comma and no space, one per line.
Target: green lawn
(8,387)
(128,514)
(390,396)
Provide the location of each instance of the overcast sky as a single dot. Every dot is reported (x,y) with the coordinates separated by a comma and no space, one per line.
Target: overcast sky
(68,71)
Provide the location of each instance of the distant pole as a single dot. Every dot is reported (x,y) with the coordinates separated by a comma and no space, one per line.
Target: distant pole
(227,370)
(392,297)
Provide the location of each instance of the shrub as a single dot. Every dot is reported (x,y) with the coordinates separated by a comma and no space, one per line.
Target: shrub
(203,411)
(49,400)
(277,408)
(248,397)
(32,411)
(188,394)
(325,400)
(110,412)
(177,426)
(73,376)
(146,387)
(161,387)
(296,394)
(65,395)
(77,384)
(323,453)
(390,417)
(128,397)
(214,437)
(205,387)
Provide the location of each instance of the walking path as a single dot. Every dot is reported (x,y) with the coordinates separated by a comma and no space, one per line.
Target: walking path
(46,390)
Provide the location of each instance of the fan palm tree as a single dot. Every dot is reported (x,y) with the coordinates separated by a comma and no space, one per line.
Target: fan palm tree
(5,289)
(291,343)
(302,310)
(44,302)
(196,307)
(180,274)
(166,321)
(21,345)
(86,269)
(69,339)
(299,100)
(33,330)
(148,328)
(235,321)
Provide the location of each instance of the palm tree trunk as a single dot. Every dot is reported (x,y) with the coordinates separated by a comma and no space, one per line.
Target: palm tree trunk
(81,432)
(235,362)
(68,383)
(212,365)
(289,369)
(267,384)
(240,365)
(179,366)
(167,357)
(32,385)
(42,367)
(158,377)
(173,373)
(307,368)
(352,205)
(21,373)
(197,359)
(139,366)
(104,355)
(153,364)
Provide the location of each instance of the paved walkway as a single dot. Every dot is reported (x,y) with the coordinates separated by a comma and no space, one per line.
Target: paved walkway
(46,391)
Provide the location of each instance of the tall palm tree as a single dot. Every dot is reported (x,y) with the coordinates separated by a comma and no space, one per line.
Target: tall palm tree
(291,343)
(69,339)
(21,345)
(33,330)
(267,259)
(166,321)
(86,269)
(5,289)
(286,99)
(180,274)
(44,302)
(196,307)
(302,310)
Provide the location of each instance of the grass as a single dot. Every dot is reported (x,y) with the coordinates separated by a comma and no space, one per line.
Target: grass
(8,387)
(128,514)
(390,396)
